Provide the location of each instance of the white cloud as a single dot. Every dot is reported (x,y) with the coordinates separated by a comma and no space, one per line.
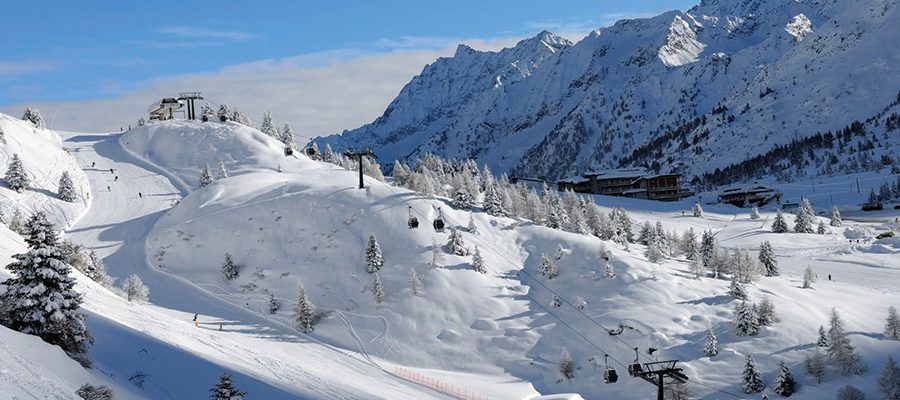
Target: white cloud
(25,67)
(190,32)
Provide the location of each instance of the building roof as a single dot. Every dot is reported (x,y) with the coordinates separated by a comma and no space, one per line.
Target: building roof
(574,180)
(748,188)
(617,173)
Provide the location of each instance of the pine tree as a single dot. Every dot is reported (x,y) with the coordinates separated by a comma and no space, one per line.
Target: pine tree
(415,284)
(239,117)
(768,260)
(40,299)
(784,383)
(766,312)
(437,256)
(224,113)
(689,245)
(472,228)
(304,313)
(16,177)
(815,366)
(377,290)
(205,177)
(493,204)
(779,225)
(889,381)
(222,173)
(548,267)
(609,272)
(850,393)
(708,251)
(754,213)
(892,324)
(286,136)
(821,228)
(134,289)
(225,390)
(17,222)
(836,217)
(91,392)
(96,269)
(745,321)
(751,381)
(268,127)
(806,217)
(463,198)
(478,261)
(711,344)
(207,113)
(34,116)
(374,258)
(229,269)
(66,191)
(822,340)
(697,268)
(840,352)
(809,277)
(455,244)
(697,210)
(566,367)
(274,304)
(645,236)
(736,289)
(653,253)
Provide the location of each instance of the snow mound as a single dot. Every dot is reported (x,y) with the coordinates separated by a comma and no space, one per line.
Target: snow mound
(799,27)
(682,46)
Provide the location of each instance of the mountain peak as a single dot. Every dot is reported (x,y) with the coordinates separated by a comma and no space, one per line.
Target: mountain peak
(548,39)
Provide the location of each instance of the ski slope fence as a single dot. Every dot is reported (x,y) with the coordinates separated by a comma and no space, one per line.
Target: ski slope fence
(448,389)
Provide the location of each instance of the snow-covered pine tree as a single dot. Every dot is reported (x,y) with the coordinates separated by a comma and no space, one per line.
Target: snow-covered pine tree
(225,390)
(229,269)
(40,299)
(850,393)
(754,212)
(697,210)
(239,117)
(662,240)
(779,225)
(415,284)
(689,244)
(207,114)
(653,253)
(697,268)
(286,136)
(557,217)
(822,340)
(578,222)
(815,366)
(455,244)
(784,383)
(548,267)
(267,126)
(566,367)
(377,290)
(16,177)
(274,304)
(478,261)
(609,272)
(66,191)
(463,198)
(374,258)
(892,324)
(765,313)
(222,173)
(751,381)
(96,269)
(809,277)
(736,289)
(34,116)
(493,202)
(471,227)
(767,259)
(17,222)
(646,233)
(437,256)
(745,321)
(805,219)
(840,352)
(708,250)
(206,177)
(889,381)
(224,113)
(134,289)
(91,392)
(821,228)
(304,313)
(836,217)
(711,344)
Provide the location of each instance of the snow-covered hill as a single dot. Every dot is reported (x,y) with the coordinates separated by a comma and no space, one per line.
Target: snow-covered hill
(694,91)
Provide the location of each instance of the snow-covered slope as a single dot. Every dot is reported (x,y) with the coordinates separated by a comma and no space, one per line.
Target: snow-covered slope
(695,90)
(44,159)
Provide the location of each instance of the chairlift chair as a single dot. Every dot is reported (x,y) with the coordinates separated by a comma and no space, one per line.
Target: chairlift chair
(288,151)
(310,151)
(413,221)
(610,375)
(439,222)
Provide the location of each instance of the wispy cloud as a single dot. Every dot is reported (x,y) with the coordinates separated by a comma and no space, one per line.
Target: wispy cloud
(189,32)
(25,67)
(180,44)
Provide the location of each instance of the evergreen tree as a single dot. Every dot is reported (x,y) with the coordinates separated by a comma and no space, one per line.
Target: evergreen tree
(17,222)
(548,267)
(16,177)
(697,268)
(784,383)
(768,260)
(766,312)
(377,290)
(822,340)
(134,289)
(836,217)
(892,324)
(96,270)
(745,321)
(437,256)
(645,236)
(91,392)
(708,250)
(274,304)
(850,393)
(268,127)
(463,198)
(207,113)
(689,245)
(222,173)
(472,228)
(806,217)
(557,217)
(840,352)
(66,191)
(286,136)
(205,177)
(821,228)
(304,313)
(809,277)
(779,225)
(697,210)
(754,213)
(415,284)
(493,203)
(239,117)
(889,381)
(224,113)
(566,367)
(736,289)
(229,269)
(374,258)
(455,244)
(653,253)
(478,261)
(815,366)
(34,116)
(711,344)
(225,390)
(609,272)
(751,381)
(40,299)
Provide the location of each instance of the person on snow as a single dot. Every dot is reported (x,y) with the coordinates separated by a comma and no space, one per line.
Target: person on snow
(140,195)
(116,179)
(93,164)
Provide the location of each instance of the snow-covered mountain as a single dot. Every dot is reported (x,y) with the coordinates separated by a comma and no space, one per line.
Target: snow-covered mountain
(696,90)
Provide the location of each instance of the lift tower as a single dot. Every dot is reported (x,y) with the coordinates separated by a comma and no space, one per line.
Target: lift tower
(189,98)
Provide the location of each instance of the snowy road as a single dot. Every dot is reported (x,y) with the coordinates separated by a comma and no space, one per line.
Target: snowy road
(183,361)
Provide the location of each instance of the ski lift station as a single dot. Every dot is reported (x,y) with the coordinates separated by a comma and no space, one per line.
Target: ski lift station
(165,109)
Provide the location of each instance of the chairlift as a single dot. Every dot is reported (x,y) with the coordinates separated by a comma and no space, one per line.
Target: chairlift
(288,151)
(609,373)
(310,151)
(439,222)
(635,369)
(413,221)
